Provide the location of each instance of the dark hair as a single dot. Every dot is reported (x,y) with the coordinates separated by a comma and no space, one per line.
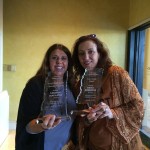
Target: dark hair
(104,61)
(45,69)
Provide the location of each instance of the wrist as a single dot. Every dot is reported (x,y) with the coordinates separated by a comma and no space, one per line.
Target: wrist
(111,115)
(35,127)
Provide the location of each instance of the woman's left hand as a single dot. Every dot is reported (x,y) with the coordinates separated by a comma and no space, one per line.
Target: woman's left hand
(99,111)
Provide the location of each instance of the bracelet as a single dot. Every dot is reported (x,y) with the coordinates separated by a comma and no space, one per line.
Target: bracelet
(38,121)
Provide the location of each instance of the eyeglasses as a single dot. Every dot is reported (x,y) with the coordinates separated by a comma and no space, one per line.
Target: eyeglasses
(88,36)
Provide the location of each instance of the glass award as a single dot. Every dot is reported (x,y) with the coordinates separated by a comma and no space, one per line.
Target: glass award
(90,86)
(55,97)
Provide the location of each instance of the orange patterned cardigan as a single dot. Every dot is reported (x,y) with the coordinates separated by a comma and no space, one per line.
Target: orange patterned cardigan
(127,108)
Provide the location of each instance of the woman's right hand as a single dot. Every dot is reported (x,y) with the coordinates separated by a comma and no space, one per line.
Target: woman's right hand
(47,122)
(50,121)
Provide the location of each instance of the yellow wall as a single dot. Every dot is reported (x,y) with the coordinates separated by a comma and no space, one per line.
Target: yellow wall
(30,27)
(139,11)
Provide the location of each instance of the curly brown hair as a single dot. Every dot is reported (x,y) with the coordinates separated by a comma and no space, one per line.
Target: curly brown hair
(104,62)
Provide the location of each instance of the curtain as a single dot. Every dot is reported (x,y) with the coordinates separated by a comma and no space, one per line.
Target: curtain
(136,57)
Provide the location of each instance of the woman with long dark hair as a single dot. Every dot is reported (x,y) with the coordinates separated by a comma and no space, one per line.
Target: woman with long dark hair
(44,121)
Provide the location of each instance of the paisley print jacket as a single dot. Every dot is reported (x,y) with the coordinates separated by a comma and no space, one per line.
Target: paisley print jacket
(122,96)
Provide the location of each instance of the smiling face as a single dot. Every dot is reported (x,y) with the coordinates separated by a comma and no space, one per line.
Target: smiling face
(58,62)
(88,55)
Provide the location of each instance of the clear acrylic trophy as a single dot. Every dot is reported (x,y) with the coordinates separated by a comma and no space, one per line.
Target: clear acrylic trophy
(90,86)
(55,97)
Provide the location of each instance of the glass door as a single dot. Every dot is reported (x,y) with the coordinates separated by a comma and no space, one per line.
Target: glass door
(146,85)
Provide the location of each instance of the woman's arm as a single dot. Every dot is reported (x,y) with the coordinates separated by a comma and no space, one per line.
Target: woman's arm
(128,108)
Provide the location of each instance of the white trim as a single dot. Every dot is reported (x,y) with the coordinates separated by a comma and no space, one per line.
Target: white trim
(12,125)
(144,21)
(1,45)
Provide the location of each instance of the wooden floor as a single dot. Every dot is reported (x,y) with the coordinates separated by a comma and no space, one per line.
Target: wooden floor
(9,143)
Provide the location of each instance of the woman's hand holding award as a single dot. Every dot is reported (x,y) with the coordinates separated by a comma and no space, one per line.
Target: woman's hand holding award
(55,98)
(90,86)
